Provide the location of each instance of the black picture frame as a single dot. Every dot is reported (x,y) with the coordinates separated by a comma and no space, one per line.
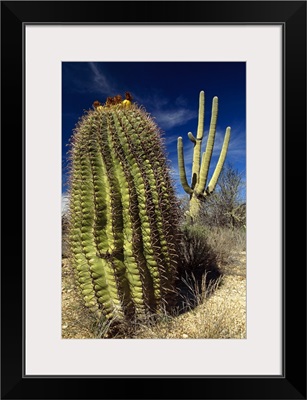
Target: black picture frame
(292,383)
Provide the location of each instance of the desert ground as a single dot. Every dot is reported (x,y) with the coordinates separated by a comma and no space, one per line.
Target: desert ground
(218,312)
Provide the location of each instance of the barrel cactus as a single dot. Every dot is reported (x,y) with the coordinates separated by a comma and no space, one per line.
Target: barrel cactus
(199,188)
(123,213)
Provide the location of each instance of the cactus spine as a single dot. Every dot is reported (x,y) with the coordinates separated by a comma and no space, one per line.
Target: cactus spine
(200,166)
(123,213)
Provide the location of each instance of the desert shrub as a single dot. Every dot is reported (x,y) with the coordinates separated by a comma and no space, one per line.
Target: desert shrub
(226,206)
(227,243)
(198,266)
(197,255)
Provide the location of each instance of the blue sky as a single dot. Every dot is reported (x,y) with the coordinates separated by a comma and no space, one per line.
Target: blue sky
(169,91)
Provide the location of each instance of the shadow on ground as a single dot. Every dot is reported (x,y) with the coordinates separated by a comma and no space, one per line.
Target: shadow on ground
(196,285)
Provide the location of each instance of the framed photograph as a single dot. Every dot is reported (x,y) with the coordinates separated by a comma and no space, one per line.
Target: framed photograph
(120,76)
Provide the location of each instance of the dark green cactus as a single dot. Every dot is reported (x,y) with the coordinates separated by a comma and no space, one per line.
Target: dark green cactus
(123,213)
(199,189)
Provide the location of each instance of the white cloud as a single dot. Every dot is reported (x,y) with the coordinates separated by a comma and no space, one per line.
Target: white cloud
(236,146)
(168,119)
(100,81)
(168,140)
(181,101)
(155,99)
(94,79)
(162,109)
(64,203)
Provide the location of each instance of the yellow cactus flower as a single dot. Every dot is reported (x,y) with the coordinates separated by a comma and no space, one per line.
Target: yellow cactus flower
(126,103)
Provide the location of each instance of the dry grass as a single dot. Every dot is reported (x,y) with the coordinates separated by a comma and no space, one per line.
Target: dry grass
(77,321)
(220,313)
(227,244)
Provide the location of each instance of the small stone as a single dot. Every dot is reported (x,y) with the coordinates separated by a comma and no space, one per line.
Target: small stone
(185,336)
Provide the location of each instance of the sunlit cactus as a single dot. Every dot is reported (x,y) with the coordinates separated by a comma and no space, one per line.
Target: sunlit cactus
(199,189)
(123,213)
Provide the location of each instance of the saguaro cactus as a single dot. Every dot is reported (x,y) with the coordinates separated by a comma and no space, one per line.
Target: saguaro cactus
(198,190)
(123,213)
